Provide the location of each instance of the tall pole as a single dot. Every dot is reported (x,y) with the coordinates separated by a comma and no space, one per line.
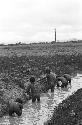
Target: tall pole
(55,34)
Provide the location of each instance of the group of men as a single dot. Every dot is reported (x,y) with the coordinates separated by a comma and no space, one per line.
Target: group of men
(59,81)
(52,81)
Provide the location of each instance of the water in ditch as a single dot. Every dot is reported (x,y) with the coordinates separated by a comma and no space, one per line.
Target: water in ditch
(38,113)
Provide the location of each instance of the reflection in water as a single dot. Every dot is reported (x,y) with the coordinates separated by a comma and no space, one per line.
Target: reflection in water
(14,120)
(31,113)
(38,113)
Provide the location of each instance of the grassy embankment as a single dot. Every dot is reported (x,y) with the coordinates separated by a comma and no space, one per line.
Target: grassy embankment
(69,112)
(19,62)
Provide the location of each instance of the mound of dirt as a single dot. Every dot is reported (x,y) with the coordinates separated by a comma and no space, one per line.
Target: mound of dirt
(69,112)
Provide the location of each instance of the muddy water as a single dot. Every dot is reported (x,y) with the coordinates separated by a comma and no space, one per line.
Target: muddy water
(38,113)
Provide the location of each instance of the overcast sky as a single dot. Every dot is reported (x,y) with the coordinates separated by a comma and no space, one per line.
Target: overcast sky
(35,20)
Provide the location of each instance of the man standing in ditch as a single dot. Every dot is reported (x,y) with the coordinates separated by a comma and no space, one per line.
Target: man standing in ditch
(33,90)
(51,80)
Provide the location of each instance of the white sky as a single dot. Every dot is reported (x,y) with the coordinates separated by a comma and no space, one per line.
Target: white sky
(35,20)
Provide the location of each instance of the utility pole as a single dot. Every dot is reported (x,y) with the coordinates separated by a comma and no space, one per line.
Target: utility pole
(55,35)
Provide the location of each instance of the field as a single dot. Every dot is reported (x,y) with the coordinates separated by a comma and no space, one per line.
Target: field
(60,57)
(19,62)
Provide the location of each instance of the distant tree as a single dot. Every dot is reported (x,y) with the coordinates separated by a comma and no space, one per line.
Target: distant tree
(1,44)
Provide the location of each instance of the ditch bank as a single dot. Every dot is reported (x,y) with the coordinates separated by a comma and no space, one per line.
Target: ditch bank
(69,112)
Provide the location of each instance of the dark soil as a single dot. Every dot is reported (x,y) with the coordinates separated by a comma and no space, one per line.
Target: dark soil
(69,112)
